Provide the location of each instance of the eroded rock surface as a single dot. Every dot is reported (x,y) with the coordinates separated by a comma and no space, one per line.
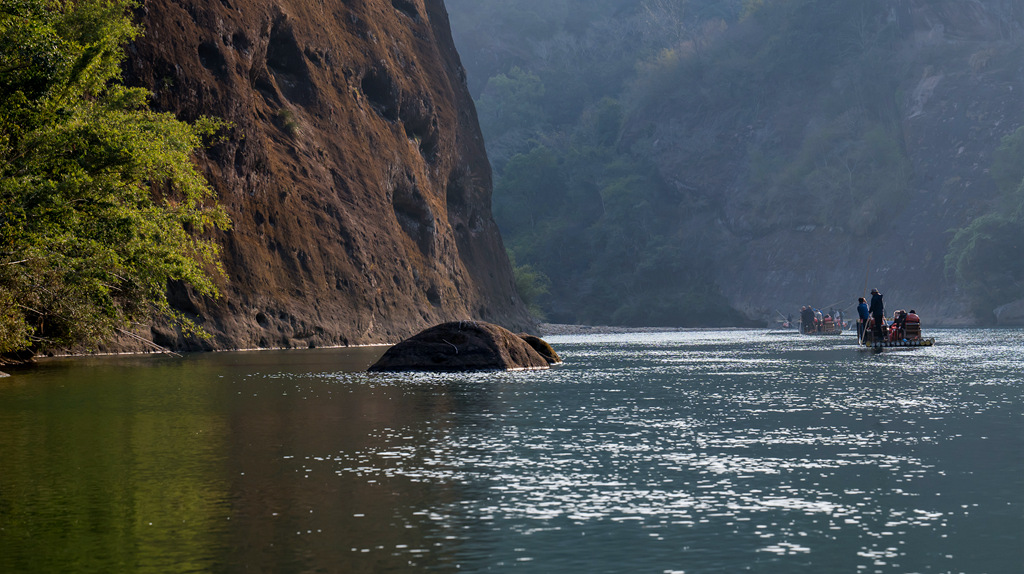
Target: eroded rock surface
(355,173)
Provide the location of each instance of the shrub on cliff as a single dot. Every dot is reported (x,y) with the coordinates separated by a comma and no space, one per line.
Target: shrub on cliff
(100,203)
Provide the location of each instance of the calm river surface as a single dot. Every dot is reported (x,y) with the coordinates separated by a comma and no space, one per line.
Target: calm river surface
(695,452)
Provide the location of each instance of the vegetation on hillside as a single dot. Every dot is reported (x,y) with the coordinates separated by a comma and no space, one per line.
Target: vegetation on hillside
(581,99)
(987,256)
(100,203)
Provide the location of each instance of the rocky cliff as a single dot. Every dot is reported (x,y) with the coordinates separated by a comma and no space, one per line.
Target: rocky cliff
(354,170)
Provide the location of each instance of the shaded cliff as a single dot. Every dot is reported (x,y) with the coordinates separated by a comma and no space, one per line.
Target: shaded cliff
(355,173)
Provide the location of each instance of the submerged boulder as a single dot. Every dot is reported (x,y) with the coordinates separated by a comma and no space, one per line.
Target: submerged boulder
(463,346)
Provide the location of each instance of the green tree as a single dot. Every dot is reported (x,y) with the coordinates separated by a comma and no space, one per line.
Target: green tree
(986,257)
(532,285)
(530,187)
(1008,162)
(987,260)
(511,101)
(100,202)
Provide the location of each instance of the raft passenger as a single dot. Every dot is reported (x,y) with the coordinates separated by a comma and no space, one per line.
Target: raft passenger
(912,325)
(877,310)
(862,314)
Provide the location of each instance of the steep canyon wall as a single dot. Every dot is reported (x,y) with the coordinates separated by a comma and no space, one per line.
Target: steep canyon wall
(354,170)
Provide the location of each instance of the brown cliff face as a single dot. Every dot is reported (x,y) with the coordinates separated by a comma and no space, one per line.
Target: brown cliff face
(355,173)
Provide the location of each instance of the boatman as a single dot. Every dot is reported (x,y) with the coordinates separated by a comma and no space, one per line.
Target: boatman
(862,313)
(877,310)
(806,319)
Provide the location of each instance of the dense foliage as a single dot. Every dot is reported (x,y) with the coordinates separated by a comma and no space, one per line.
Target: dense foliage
(987,256)
(572,110)
(637,145)
(100,203)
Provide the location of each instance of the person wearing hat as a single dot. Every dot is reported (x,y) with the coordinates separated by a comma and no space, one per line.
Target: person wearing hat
(877,310)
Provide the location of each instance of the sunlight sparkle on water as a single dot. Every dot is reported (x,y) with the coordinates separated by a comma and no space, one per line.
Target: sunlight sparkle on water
(698,451)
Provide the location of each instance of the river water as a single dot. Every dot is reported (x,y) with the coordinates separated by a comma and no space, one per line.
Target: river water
(695,452)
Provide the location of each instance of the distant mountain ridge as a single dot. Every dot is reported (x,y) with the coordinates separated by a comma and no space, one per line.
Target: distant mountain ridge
(354,173)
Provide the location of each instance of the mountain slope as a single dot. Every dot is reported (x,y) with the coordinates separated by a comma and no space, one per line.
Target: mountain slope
(850,170)
(674,162)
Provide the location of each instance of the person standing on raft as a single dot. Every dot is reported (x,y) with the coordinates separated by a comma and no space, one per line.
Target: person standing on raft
(862,314)
(877,310)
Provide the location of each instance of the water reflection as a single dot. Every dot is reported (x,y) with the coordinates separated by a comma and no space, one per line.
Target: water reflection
(698,452)
(96,475)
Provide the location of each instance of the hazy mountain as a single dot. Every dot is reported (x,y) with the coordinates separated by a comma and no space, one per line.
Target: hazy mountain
(670,162)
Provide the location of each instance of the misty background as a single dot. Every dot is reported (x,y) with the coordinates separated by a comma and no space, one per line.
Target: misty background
(717,163)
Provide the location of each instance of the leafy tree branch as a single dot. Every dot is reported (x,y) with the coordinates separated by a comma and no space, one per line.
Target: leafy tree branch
(100,201)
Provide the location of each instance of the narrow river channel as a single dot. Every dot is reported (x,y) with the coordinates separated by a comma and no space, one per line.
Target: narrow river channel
(684,452)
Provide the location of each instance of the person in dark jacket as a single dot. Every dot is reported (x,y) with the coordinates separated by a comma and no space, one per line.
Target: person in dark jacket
(862,314)
(877,310)
(806,319)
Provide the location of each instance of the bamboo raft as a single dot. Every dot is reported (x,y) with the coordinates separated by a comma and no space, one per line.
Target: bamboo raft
(825,329)
(900,343)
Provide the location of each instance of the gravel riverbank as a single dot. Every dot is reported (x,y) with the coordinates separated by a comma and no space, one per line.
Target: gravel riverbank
(547,329)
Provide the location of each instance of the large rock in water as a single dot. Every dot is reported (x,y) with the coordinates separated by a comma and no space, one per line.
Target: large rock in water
(355,173)
(464,346)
